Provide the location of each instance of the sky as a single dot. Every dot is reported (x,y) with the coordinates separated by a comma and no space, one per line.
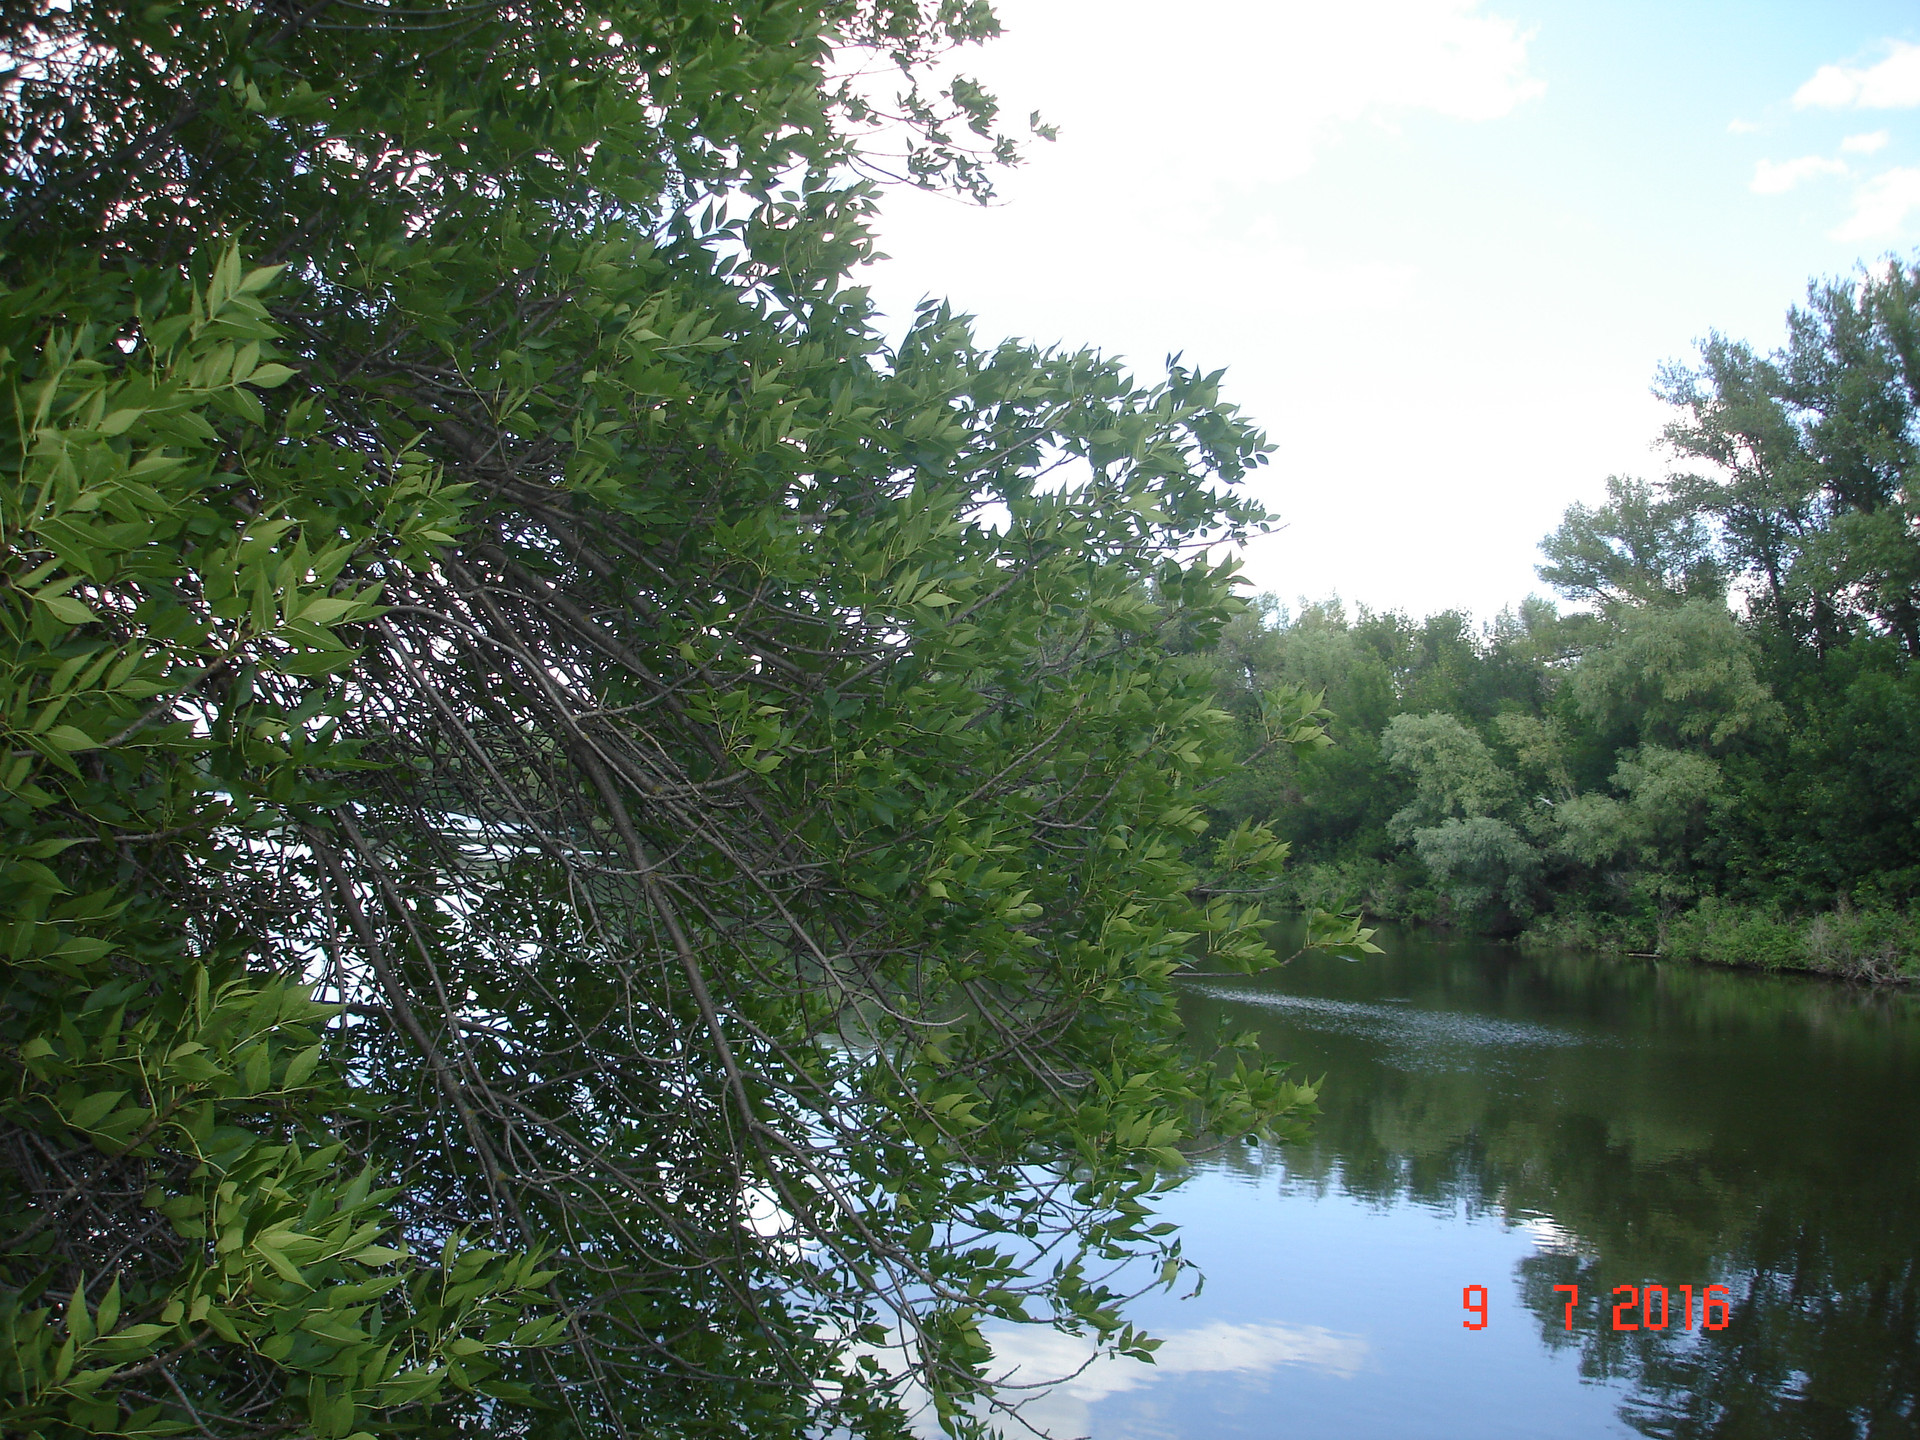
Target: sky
(1440,247)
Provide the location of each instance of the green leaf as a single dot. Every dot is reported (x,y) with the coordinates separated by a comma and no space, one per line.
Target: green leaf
(67,610)
(79,1321)
(267,1246)
(108,1314)
(91,1110)
(301,1066)
(312,663)
(258,280)
(325,609)
(47,849)
(71,738)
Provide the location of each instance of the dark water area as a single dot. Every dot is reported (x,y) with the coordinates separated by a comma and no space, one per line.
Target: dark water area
(1518,1122)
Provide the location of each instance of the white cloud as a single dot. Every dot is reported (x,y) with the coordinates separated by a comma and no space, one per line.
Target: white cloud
(1156,224)
(1742,127)
(1164,129)
(1881,206)
(1865,144)
(1893,84)
(1251,88)
(1776,177)
(1438,55)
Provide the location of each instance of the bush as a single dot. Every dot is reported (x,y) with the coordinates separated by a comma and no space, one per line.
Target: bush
(1877,944)
(1381,889)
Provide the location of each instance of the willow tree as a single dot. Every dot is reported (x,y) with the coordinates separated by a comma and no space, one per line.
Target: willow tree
(589,847)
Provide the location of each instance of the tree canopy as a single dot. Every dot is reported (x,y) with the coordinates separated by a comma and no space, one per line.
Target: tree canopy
(589,848)
(1716,750)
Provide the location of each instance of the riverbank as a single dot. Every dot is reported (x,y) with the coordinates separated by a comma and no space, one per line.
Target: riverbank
(1870,944)
(1874,944)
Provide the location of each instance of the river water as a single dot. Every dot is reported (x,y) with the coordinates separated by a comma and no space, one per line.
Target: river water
(1521,1122)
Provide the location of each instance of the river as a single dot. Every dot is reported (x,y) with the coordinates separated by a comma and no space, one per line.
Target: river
(1523,1122)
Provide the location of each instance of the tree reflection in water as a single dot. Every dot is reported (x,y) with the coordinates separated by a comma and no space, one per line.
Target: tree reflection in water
(1651,1124)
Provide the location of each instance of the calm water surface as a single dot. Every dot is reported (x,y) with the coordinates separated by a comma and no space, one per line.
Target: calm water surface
(1524,1121)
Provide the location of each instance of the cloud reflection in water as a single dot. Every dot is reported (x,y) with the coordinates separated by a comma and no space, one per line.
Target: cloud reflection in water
(1032,1356)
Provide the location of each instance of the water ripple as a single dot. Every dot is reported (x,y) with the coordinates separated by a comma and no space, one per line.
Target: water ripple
(1418,1038)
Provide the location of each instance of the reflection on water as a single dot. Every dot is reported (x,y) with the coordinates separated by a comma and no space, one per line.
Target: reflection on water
(1411,1038)
(1522,1122)
(1026,1357)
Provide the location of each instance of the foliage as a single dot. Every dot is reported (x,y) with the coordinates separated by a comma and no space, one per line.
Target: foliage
(1807,456)
(1478,861)
(1642,547)
(1717,758)
(1674,675)
(591,849)
(1454,774)
(1857,944)
(181,1215)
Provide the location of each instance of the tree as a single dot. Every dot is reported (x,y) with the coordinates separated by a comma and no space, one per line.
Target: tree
(1458,823)
(1455,775)
(1313,796)
(1682,676)
(1480,861)
(1729,715)
(1653,821)
(1812,451)
(1641,547)
(586,846)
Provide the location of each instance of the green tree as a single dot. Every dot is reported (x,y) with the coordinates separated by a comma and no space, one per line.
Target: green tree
(1642,547)
(735,816)
(1812,449)
(1727,720)
(1480,861)
(1655,818)
(1460,821)
(1683,675)
(1318,798)
(1454,773)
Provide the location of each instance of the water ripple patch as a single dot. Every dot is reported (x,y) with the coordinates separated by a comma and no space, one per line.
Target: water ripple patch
(1420,1038)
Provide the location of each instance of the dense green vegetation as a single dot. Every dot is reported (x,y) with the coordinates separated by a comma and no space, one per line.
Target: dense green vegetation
(1717,754)
(586,849)
(589,848)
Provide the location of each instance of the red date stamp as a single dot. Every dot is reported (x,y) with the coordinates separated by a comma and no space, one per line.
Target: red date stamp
(1645,1307)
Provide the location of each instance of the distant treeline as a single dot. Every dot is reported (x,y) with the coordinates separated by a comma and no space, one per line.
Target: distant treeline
(1715,755)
